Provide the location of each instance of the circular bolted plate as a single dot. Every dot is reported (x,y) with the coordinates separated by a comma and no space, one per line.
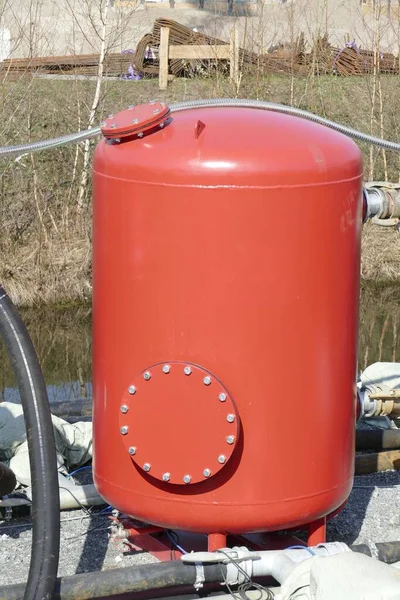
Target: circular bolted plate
(135,120)
(180,423)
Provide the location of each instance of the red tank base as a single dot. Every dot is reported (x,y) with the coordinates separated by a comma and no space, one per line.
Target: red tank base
(166,544)
(317,532)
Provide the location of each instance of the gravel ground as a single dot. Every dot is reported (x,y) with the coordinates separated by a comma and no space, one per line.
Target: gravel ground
(372,514)
(84,547)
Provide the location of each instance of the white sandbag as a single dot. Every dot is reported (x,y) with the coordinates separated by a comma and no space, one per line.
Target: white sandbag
(73,442)
(347,576)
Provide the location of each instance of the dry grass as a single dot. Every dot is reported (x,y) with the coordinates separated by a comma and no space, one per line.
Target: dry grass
(56,271)
(380,254)
(45,244)
(379,338)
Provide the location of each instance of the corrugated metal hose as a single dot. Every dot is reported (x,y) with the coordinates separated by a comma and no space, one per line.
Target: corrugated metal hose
(7,151)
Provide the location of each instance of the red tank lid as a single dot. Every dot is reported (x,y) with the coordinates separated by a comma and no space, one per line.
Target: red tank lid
(135,120)
(223,146)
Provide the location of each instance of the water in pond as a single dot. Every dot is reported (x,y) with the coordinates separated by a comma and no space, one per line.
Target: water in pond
(62,337)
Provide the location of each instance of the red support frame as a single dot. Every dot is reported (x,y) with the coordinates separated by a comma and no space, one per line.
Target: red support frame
(160,543)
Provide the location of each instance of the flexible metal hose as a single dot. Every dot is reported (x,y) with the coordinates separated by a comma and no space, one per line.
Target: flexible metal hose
(288,110)
(7,151)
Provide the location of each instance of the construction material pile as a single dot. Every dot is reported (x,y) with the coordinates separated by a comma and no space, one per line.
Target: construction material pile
(115,65)
(352,60)
(146,56)
(291,58)
(283,59)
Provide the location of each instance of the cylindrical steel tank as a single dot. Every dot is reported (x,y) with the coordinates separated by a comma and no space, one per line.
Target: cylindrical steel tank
(225,316)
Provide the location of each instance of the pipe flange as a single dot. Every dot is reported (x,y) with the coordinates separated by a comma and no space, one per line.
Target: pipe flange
(233,556)
(178,423)
(135,121)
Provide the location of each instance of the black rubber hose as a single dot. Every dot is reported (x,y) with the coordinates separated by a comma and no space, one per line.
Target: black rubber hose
(387,552)
(140,578)
(42,453)
(7,480)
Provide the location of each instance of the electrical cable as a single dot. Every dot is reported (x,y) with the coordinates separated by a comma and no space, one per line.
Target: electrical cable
(176,543)
(97,528)
(77,471)
(247,585)
(79,136)
(81,518)
(81,506)
(62,140)
(310,550)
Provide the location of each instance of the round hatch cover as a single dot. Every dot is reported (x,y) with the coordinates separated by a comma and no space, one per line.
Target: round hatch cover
(135,120)
(178,423)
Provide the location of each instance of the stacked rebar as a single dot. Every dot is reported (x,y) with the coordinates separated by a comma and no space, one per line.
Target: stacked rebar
(284,59)
(115,65)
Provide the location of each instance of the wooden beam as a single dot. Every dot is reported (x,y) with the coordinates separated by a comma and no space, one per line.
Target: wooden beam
(193,52)
(200,52)
(163,56)
(377,462)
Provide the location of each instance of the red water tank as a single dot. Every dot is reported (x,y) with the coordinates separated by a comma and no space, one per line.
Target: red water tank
(225,314)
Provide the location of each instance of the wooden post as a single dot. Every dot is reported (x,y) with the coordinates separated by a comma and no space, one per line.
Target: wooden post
(163,58)
(192,52)
(234,56)
(377,462)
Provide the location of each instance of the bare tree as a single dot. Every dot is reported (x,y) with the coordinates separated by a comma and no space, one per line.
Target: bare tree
(104,8)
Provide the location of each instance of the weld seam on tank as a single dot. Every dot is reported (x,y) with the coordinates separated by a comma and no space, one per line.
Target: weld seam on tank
(183,500)
(231,187)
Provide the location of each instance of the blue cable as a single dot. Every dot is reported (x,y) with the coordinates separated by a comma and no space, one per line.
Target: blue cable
(108,508)
(302,548)
(76,471)
(175,543)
